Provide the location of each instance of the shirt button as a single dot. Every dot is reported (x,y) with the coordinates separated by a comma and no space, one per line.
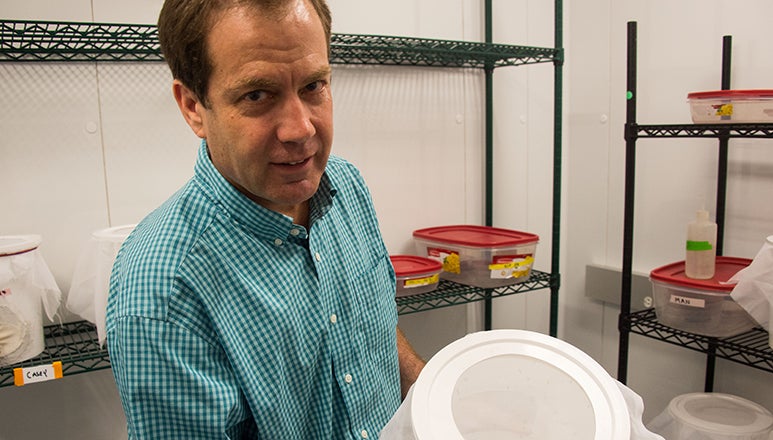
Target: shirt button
(278,241)
(294,232)
(364,434)
(348,379)
(318,256)
(333,318)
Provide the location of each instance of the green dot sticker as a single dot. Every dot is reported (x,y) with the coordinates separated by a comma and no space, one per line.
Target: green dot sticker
(629,95)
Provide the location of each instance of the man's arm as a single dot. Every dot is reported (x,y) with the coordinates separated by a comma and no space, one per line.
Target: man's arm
(410,363)
(173,384)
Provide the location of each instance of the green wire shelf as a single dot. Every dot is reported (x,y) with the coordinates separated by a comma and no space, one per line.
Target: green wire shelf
(750,348)
(63,41)
(451,294)
(75,344)
(53,41)
(373,49)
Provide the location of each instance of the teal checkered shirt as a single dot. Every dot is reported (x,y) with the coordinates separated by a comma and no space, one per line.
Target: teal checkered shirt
(226,320)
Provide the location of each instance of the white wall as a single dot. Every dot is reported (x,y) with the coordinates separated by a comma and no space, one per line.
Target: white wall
(417,136)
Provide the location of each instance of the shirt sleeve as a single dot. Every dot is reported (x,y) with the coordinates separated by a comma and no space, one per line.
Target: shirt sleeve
(173,384)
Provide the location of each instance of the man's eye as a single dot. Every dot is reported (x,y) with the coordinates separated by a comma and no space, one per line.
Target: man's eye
(316,85)
(255,95)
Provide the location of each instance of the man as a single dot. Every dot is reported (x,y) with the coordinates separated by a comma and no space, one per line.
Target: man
(258,301)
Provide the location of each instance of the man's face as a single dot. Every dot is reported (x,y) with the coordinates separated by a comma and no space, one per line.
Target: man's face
(269,125)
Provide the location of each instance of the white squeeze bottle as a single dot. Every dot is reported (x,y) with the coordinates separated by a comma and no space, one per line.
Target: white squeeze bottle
(700,258)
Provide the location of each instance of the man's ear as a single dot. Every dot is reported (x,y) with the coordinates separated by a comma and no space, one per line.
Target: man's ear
(190,107)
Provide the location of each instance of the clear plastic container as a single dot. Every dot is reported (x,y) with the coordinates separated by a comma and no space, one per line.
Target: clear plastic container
(415,275)
(713,416)
(480,256)
(732,106)
(703,307)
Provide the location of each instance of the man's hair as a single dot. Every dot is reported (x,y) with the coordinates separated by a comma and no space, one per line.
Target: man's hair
(183,26)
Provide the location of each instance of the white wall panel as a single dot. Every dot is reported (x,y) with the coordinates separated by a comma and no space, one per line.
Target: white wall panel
(149,149)
(439,19)
(134,12)
(51,169)
(405,129)
(64,10)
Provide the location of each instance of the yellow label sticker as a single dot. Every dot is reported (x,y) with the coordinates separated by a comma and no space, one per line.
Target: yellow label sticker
(511,266)
(449,259)
(452,264)
(418,282)
(724,110)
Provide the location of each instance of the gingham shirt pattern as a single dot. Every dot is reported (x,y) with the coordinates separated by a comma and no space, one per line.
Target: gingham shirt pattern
(226,320)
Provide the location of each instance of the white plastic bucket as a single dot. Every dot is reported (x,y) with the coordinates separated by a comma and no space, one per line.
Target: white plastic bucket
(87,297)
(26,287)
(713,416)
(505,384)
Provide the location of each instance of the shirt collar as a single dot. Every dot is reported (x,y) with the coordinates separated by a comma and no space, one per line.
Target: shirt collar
(261,221)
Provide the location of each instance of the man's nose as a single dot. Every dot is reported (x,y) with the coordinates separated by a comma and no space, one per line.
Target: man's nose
(294,123)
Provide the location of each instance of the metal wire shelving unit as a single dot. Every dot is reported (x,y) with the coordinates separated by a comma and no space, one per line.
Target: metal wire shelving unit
(75,345)
(35,41)
(750,348)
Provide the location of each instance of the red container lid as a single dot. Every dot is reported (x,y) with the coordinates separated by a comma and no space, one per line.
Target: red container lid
(406,265)
(476,236)
(732,94)
(726,267)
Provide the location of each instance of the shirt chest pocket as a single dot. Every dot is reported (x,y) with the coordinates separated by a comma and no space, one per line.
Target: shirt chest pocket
(371,295)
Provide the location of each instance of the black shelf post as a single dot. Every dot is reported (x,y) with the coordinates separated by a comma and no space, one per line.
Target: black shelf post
(630,178)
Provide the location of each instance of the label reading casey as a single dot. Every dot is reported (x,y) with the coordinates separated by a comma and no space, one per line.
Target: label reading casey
(39,373)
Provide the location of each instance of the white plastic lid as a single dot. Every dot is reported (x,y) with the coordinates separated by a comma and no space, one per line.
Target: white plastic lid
(519,384)
(719,413)
(116,233)
(17,244)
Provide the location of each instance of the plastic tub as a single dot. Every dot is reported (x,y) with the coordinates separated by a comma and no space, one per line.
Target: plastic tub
(87,297)
(480,256)
(700,306)
(736,106)
(415,274)
(713,416)
(26,284)
(512,384)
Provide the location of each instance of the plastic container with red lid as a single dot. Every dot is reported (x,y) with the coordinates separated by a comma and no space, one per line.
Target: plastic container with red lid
(732,106)
(700,306)
(481,256)
(415,274)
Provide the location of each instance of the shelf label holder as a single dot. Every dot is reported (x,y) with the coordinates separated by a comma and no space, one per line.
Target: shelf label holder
(38,373)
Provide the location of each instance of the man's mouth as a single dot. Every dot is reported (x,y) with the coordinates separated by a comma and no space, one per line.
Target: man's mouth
(295,163)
